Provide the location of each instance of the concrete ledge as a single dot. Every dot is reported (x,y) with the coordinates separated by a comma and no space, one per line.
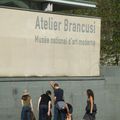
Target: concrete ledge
(49,78)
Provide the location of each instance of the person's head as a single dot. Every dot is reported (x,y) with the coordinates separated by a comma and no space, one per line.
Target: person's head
(90,93)
(56,85)
(25,94)
(48,92)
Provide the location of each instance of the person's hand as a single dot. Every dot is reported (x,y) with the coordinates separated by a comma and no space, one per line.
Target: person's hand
(90,113)
(52,82)
(48,113)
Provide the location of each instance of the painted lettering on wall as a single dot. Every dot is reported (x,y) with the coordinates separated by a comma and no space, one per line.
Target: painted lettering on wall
(65,25)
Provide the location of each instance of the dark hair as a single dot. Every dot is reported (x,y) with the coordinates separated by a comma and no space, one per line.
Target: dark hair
(56,85)
(48,92)
(70,108)
(90,93)
(24,97)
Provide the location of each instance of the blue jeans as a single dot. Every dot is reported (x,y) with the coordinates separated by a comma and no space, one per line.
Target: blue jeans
(25,114)
(43,109)
(58,113)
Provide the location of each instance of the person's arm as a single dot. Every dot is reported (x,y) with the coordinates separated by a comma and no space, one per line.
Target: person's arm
(52,84)
(68,113)
(66,106)
(22,102)
(31,104)
(38,103)
(91,104)
(54,99)
(49,108)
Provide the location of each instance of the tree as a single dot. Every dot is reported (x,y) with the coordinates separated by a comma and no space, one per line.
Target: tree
(109,11)
(14,3)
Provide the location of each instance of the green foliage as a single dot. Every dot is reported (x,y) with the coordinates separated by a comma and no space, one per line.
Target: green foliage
(14,3)
(109,11)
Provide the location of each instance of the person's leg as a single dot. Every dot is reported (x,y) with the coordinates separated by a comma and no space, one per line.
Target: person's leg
(22,114)
(55,113)
(63,115)
(28,115)
(43,112)
(41,116)
(28,112)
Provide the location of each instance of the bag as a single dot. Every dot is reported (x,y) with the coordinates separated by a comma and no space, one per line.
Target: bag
(88,117)
(61,105)
(32,116)
(94,108)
